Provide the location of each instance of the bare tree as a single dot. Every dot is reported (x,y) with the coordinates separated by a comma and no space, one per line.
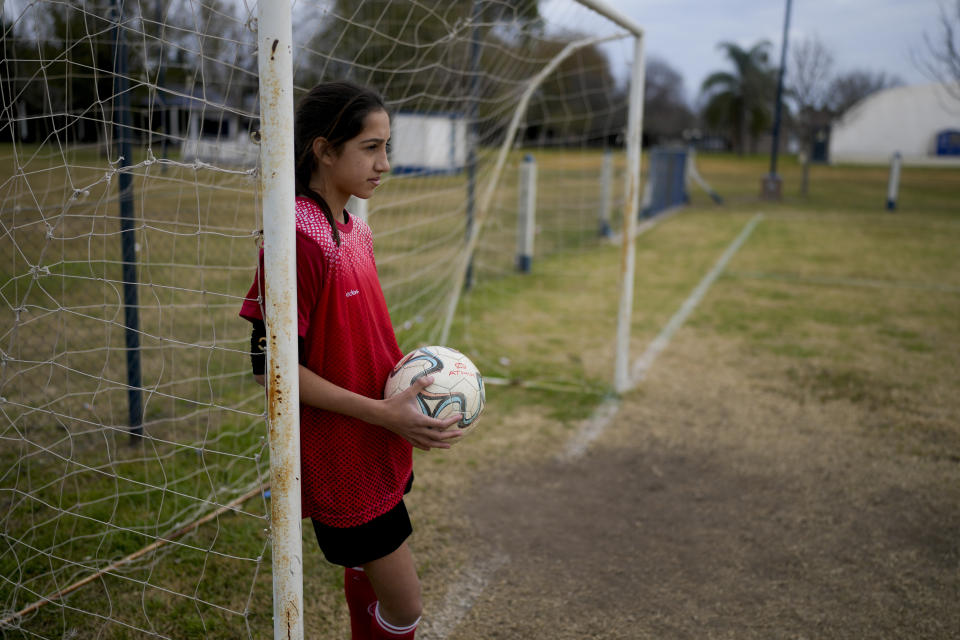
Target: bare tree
(940,59)
(851,87)
(665,108)
(811,64)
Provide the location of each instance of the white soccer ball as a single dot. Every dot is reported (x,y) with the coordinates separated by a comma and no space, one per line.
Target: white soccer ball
(457,384)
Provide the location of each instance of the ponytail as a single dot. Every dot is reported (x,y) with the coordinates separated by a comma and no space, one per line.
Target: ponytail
(305,191)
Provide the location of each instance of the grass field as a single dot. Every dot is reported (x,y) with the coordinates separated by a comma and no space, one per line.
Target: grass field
(833,308)
(788,468)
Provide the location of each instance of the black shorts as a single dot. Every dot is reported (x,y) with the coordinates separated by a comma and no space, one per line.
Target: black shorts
(356,546)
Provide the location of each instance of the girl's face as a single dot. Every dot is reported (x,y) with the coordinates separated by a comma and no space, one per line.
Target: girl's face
(356,169)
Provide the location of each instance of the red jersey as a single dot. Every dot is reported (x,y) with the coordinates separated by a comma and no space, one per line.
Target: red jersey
(351,471)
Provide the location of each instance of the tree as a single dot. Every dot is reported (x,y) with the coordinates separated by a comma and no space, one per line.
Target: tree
(420,55)
(740,101)
(418,48)
(58,61)
(811,64)
(578,98)
(941,56)
(851,87)
(665,110)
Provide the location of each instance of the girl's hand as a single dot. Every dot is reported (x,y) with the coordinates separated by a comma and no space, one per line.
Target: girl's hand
(398,414)
(402,417)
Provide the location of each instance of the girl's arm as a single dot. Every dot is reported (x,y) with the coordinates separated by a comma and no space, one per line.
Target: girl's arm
(397,414)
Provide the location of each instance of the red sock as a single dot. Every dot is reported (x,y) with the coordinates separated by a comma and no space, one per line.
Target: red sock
(359,592)
(383,630)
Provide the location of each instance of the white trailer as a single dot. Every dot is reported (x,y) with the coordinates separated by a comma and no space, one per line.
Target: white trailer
(428,143)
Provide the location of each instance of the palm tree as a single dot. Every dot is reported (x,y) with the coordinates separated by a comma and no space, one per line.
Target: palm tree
(740,100)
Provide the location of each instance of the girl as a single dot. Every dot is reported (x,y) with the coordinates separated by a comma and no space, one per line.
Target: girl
(356,448)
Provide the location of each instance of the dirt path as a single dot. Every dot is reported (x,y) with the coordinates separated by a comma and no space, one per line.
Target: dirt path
(722,505)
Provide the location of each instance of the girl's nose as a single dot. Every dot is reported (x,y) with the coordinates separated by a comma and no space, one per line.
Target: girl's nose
(383,163)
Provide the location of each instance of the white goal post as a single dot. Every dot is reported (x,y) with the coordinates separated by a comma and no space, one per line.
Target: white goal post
(275,57)
(148,486)
(621,373)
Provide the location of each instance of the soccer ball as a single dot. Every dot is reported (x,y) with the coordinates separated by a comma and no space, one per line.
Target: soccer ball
(457,385)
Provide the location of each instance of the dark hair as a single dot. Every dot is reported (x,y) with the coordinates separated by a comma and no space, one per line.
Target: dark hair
(334,111)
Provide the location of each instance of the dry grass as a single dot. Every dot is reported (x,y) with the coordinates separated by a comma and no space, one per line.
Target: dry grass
(801,433)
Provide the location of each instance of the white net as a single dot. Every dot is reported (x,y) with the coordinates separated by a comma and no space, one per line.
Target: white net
(133,459)
(78,492)
(454,81)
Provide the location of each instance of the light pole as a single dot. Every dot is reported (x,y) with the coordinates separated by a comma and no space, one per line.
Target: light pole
(770,185)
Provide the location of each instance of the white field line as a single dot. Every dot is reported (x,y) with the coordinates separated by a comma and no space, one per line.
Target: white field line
(646,360)
(591,428)
(845,282)
(603,415)
(649,223)
(461,596)
(884,219)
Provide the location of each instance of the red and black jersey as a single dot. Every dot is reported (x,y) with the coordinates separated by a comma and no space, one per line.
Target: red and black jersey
(351,471)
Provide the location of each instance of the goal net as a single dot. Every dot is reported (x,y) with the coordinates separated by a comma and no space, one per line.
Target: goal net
(475,90)
(134,467)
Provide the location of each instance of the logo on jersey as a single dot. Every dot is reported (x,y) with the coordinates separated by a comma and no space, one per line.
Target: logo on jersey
(352,293)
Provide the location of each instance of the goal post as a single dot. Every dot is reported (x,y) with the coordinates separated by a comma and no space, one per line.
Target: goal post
(275,57)
(621,376)
(137,187)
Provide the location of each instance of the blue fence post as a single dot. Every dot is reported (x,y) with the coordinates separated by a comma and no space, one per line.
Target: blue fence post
(128,240)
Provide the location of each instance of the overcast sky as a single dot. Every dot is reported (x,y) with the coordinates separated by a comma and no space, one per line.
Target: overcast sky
(874,35)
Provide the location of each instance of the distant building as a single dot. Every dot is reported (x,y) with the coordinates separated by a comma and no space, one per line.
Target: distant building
(428,143)
(216,131)
(914,120)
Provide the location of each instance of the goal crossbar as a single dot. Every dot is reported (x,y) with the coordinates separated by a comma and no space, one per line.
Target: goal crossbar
(612,14)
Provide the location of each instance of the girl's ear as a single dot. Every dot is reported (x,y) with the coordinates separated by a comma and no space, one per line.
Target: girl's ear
(320,151)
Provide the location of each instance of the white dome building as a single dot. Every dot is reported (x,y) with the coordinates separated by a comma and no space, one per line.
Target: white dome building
(911,120)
